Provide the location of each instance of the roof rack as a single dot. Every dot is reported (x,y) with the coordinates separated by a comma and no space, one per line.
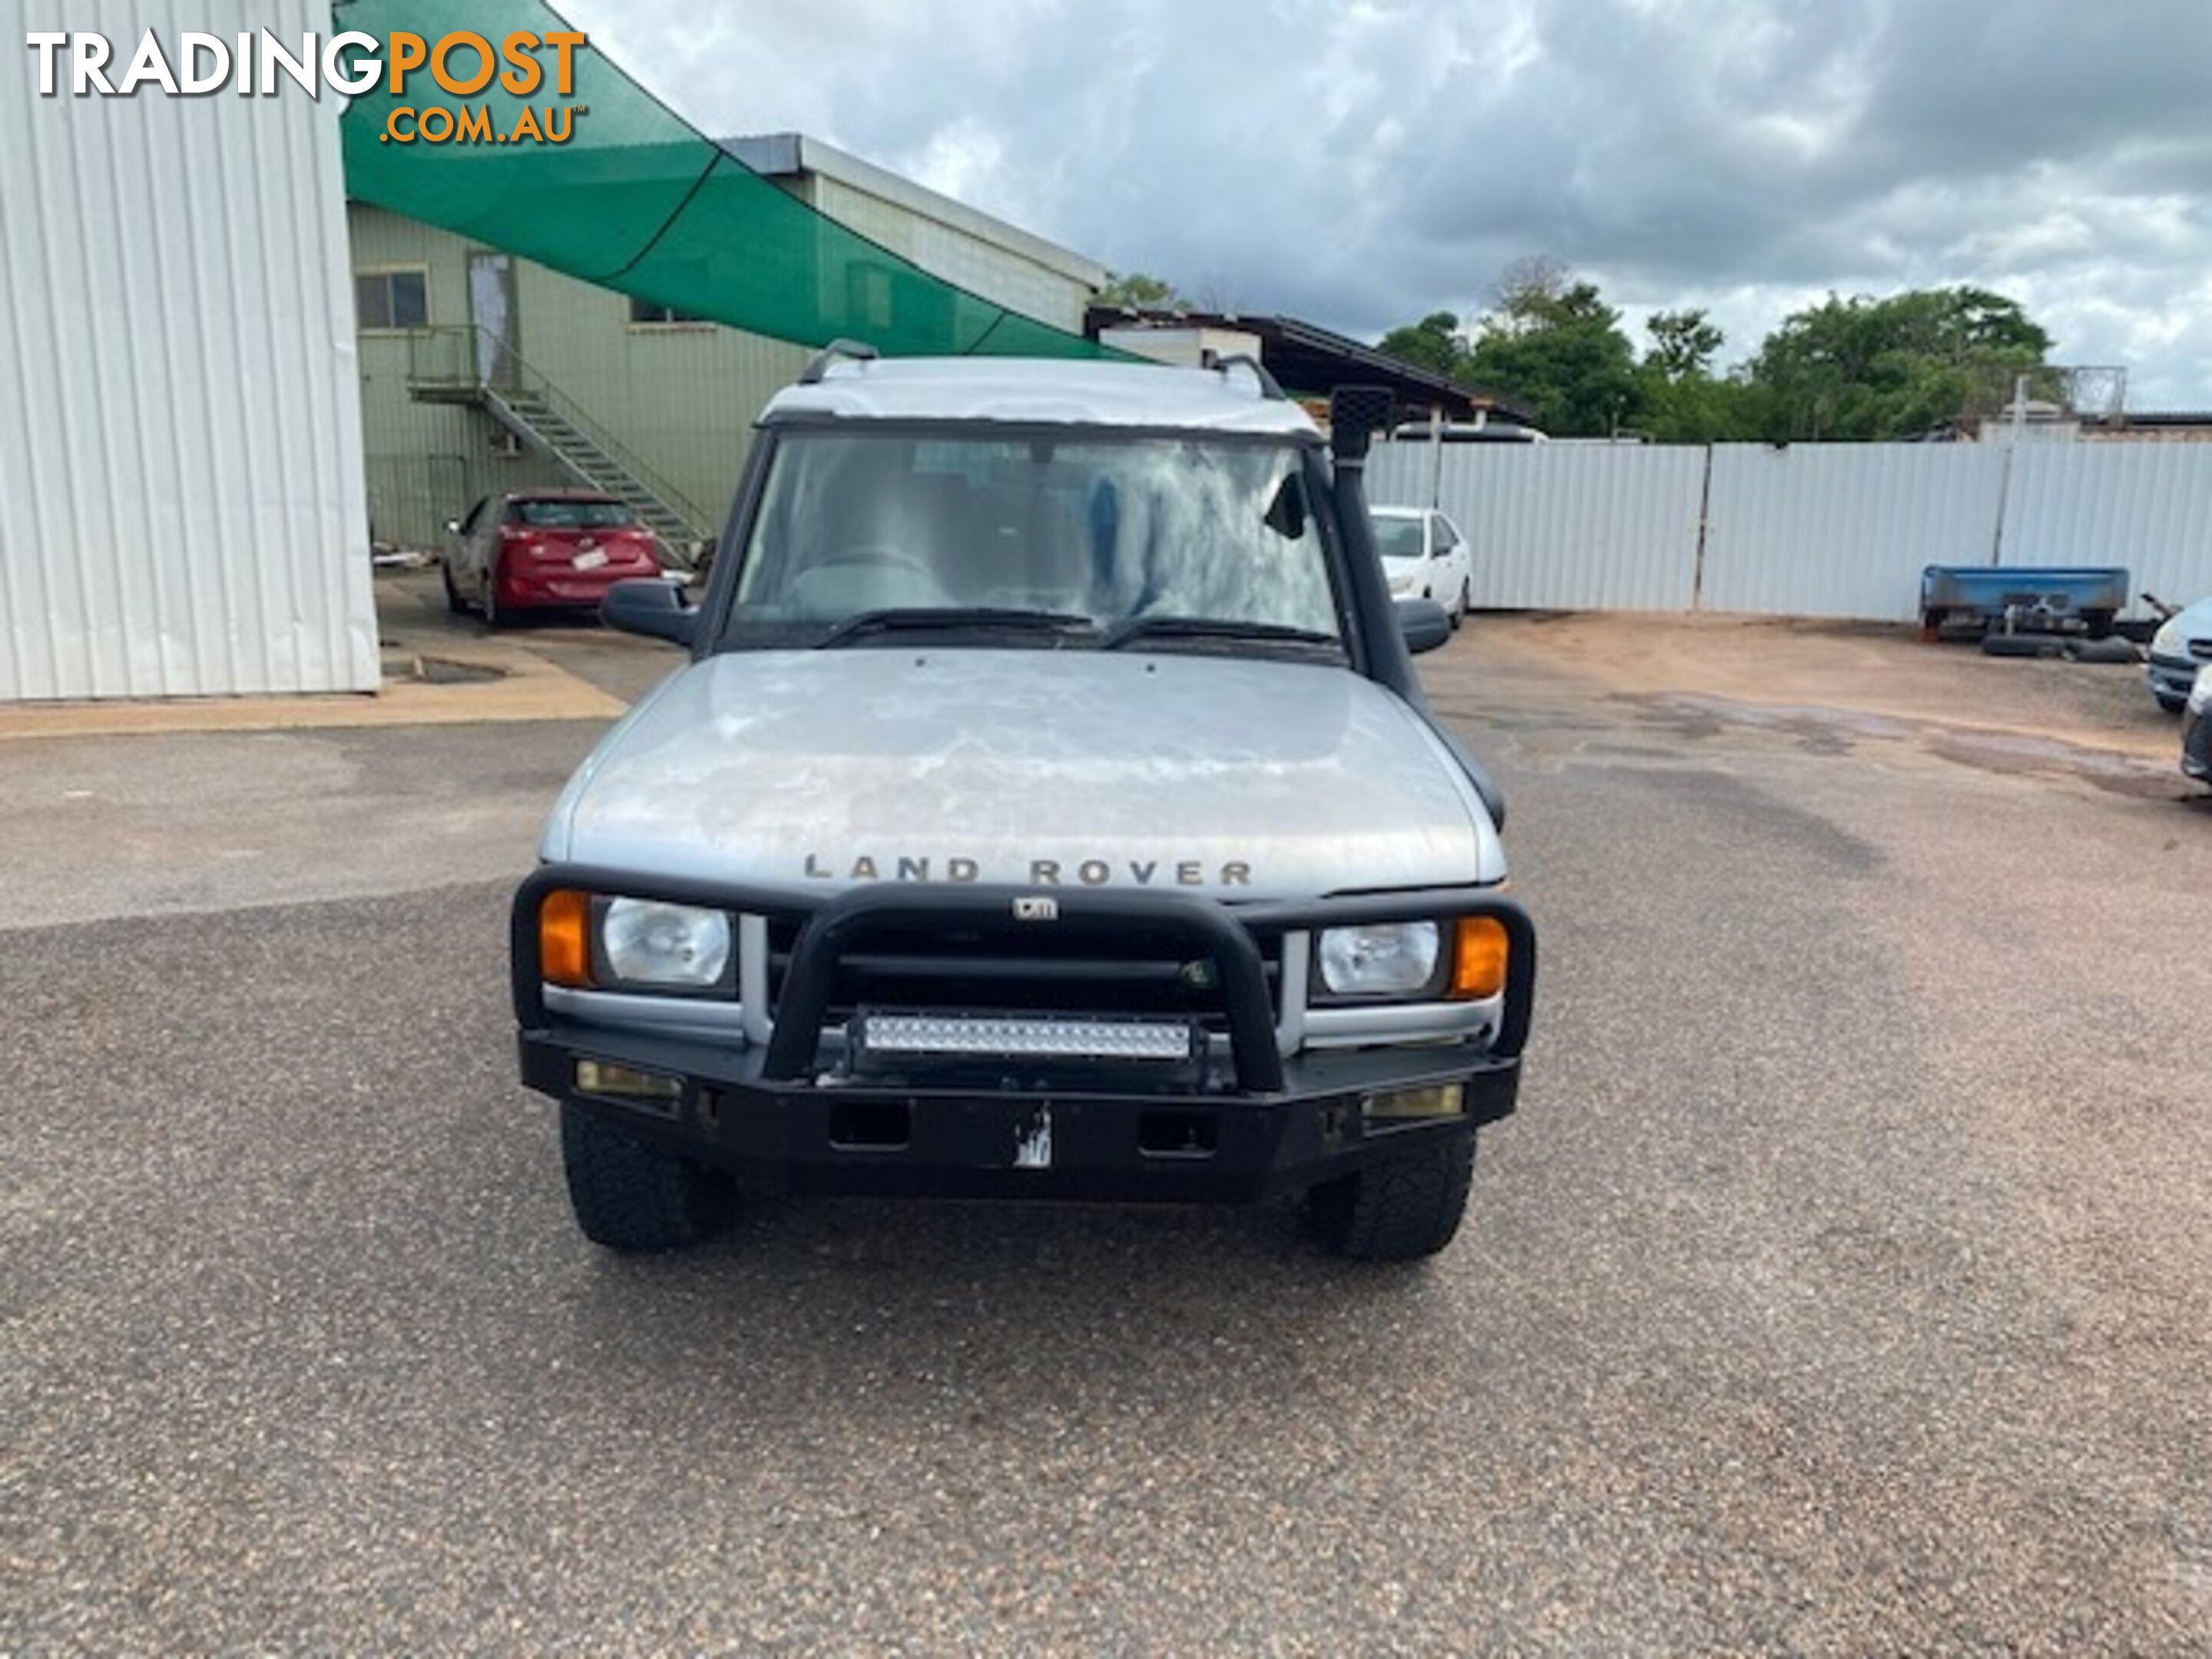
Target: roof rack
(1268,388)
(851,351)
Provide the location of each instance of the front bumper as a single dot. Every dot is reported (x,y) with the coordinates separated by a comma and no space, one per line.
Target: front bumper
(2171,679)
(2196,745)
(1029,1142)
(1252,1122)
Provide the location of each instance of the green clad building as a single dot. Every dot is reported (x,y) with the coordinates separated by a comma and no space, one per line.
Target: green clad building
(482,372)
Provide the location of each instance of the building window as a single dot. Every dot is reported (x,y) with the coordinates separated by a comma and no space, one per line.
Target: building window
(391,299)
(643,313)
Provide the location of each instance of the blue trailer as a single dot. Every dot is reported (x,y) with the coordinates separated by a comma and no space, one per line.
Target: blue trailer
(2022,598)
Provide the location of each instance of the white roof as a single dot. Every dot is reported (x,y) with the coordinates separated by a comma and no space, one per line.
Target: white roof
(785,154)
(1038,392)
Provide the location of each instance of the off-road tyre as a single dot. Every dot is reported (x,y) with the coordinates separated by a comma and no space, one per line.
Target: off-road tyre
(1402,1207)
(454,601)
(634,1197)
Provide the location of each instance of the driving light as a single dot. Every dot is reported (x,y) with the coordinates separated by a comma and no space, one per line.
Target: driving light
(1028,1039)
(1479,952)
(564,937)
(600,1077)
(1382,959)
(1436,1100)
(649,943)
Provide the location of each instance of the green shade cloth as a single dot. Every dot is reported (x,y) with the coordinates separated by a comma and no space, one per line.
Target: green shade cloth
(638,201)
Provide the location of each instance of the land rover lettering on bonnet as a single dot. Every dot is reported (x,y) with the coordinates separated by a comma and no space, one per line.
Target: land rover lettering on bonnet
(1048,809)
(1037,872)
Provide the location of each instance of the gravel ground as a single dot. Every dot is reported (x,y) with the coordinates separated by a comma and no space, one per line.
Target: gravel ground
(1843,1284)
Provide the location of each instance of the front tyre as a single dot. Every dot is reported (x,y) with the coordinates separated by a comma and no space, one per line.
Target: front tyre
(631,1196)
(1402,1207)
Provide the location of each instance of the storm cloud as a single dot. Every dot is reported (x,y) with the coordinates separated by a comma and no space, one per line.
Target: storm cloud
(1360,165)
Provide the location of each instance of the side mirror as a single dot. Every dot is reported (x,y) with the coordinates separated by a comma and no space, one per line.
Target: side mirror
(1423,622)
(649,605)
(452,526)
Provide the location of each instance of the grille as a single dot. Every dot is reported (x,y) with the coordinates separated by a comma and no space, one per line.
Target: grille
(2201,649)
(1136,972)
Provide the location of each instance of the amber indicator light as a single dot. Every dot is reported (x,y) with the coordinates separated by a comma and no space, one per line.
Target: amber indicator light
(564,937)
(1479,954)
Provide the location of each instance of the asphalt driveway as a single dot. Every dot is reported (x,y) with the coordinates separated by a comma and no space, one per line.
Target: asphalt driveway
(1844,1282)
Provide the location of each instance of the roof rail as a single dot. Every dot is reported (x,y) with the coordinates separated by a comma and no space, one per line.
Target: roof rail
(853,351)
(1268,388)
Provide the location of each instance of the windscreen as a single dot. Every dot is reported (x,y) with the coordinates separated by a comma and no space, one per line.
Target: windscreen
(1398,538)
(1105,530)
(573,515)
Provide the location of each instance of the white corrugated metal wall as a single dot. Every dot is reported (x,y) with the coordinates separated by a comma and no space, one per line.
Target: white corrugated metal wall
(1809,530)
(1559,526)
(2146,506)
(1843,530)
(179,416)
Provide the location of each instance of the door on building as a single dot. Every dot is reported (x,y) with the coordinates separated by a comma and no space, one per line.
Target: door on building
(491,307)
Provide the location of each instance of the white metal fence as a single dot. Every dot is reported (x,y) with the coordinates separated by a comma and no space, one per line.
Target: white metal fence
(1555,526)
(1812,530)
(2146,506)
(1843,530)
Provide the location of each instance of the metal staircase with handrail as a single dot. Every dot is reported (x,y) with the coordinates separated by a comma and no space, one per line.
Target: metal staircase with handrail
(443,367)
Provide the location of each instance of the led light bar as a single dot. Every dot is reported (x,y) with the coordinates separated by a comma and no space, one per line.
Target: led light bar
(1021,1038)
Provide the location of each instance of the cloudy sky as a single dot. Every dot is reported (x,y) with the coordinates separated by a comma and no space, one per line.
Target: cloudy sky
(1361,164)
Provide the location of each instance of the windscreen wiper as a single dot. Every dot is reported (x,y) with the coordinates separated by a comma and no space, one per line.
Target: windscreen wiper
(918,618)
(1212,628)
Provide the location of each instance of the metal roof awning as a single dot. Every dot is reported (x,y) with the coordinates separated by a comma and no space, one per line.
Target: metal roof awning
(1313,361)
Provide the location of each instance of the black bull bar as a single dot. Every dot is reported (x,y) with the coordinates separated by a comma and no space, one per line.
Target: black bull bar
(1226,934)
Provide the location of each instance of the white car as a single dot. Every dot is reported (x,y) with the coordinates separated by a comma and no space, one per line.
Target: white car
(1425,558)
(2182,646)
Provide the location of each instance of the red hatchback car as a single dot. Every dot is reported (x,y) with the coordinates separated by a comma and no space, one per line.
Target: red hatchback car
(543,549)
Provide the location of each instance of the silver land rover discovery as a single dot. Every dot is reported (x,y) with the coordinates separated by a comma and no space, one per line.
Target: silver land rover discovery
(1048,809)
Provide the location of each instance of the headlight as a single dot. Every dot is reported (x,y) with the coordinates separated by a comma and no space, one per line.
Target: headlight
(648,943)
(1382,959)
(2168,637)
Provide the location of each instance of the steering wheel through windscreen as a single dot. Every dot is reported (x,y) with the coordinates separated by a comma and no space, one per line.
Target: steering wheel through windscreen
(864,576)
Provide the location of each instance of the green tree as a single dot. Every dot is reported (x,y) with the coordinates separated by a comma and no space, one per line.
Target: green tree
(1138,290)
(1433,343)
(1684,402)
(1554,344)
(1683,344)
(1526,294)
(1864,369)
(1701,409)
